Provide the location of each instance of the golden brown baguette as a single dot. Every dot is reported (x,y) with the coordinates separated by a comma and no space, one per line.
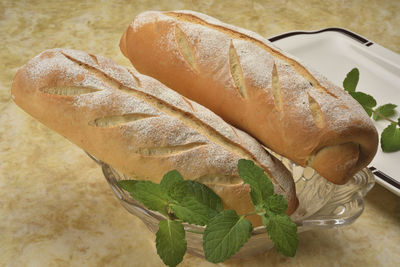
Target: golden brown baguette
(256,87)
(141,127)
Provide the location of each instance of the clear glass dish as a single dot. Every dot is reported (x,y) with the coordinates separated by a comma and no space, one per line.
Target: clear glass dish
(322,205)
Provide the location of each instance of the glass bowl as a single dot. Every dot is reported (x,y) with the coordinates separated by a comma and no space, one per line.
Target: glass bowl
(321,205)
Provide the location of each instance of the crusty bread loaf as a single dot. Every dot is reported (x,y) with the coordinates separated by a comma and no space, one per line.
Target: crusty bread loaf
(256,87)
(141,127)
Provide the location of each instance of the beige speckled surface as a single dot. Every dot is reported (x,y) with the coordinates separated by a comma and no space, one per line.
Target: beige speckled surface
(56,208)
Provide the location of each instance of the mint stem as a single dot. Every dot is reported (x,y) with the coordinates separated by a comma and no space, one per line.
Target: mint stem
(383,117)
(169,214)
(250,213)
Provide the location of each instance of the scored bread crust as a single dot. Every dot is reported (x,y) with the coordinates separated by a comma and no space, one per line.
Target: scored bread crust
(256,87)
(141,127)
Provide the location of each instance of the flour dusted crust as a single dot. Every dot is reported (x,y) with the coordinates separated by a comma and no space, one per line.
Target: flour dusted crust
(256,87)
(139,126)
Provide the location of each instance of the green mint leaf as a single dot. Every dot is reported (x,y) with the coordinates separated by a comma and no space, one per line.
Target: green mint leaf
(276,203)
(170,242)
(283,232)
(127,185)
(173,183)
(205,195)
(191,211)
(390,138)
(170,179)
(366,101)
(151,195)
(386,110)
(178,191)
(398,121)
(351,80)
(261,187)
(225,234)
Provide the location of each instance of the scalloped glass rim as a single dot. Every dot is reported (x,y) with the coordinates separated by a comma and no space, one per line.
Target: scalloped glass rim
(323,205)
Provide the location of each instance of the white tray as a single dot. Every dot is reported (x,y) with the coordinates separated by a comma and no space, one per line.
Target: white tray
(334,52)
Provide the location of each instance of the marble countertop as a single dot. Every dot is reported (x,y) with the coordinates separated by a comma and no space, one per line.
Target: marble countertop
(56,208)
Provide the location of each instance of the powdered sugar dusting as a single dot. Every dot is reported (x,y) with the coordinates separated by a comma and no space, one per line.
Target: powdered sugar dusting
(211,50)
(169,42)
(207,42)
(45,63)
(207,117)
(198,14)
(170,124)
(256,65)
(52,62)
(163,131)
(111,69)
(144,18)
(338,111)
(160,91)
(239,33)
(214,21)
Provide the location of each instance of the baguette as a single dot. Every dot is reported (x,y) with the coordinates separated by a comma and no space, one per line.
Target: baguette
(256,87)
(141,127)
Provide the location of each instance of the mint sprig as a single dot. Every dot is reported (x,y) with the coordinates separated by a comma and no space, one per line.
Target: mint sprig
(226,232)
(390,140)
(271,207)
